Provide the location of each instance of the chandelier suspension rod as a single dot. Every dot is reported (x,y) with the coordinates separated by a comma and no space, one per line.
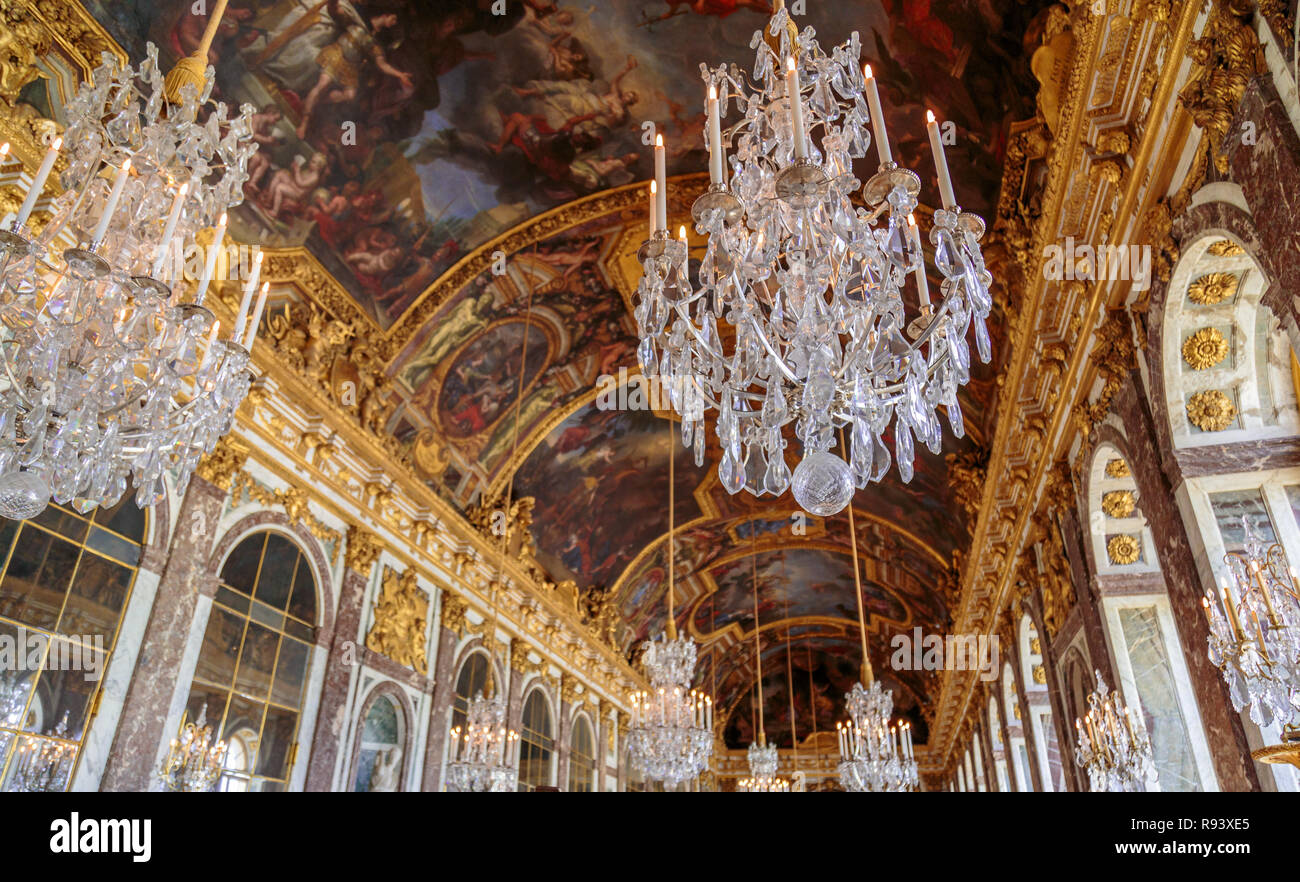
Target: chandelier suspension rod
(789,669)
(672,549)
(867,675)
(758,655)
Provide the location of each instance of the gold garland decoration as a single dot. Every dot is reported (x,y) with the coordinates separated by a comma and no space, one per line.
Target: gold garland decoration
(1204,349)
(1123,549)
(1117,468)
(1212,288)
(1211,411)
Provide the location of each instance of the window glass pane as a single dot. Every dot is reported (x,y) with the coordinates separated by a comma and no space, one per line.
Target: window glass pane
(124,518)
(63,522)
(240,571)
(97,598)
(257,661)
(114,546)
(276,579)
(1230,507)
(290,673)
(277,737)
(1161,711)
(536,745)
(221,642)
(38,576)
(303,603)
(63,696)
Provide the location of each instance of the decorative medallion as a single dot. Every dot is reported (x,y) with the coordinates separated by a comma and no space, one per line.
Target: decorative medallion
(1204,349)
(1226,248)
(1117,468)
(1211,411)
(1123,549)
(1212,288)
(1040,675)
(1118,503)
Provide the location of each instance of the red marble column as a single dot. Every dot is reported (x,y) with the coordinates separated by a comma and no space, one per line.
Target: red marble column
(1026,723)
(444,693)
(562,745)
(1008,752)
(344,654)
(140,730)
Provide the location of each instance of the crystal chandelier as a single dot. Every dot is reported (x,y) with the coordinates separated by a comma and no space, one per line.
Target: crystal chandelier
(41,765)
(1254,636)
(193,763)
(875,755)
(484,754)
(670,736)
(107,374)
(798,312)
(1117,755)
(763,762)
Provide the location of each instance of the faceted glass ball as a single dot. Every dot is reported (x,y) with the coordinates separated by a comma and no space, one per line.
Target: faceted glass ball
(23,495)
(823,483)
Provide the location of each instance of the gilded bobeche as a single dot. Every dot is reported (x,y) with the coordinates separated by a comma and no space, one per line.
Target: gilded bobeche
(401,614)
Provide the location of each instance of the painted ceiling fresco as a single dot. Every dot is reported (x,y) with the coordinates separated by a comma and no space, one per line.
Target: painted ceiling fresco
(398,135)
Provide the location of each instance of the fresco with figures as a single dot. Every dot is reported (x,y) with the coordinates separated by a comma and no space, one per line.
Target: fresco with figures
(397,136)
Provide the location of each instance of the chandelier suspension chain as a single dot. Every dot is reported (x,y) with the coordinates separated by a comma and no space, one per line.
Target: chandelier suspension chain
(758,654)
(672,539)
(866,671)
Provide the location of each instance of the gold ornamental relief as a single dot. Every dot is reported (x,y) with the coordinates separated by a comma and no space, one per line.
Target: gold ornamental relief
(1212,288)
(1040,675)
(1211,411)
(453,612)
(401,613)
(1226,248)
(1204,349)
(1117,468)
(1118,503)
(1123,549)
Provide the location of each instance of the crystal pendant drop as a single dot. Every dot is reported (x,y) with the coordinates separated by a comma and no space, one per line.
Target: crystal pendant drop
(823,483)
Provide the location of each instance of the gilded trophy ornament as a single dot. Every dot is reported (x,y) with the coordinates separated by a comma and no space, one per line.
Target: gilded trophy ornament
(401,613)
(1123,549)
(1211,411)
(1212,288)
(1118,503)
(1204,349)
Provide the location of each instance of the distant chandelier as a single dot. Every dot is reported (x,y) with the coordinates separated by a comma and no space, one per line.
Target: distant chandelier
(1112,747)
(194,761)
(42,765)
(763,763)
(106,373)
(808,286)
(875,755)
(671,733)
(484,754)
(670,736)
(1255,636)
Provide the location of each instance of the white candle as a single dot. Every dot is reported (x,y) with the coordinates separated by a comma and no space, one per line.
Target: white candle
(207,353)
(38,183)
(210,264)
(654,199)
(170,229)
(118,185)
(248,298)
(877,118)
(796,108)
(715,137)
(940,162)
(922,285)
(257,316)
(661,180)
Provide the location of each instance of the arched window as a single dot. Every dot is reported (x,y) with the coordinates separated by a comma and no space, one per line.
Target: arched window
(537,745)
(1230,376)
(66,581)
(582,757)
(971,785)
(961,778)
(379,760)
(1016,730)
(1149,658)
(256,657)
(999,747)
(475,676)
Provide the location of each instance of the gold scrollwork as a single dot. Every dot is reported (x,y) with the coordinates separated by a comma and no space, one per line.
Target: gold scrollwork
(225,460)
(294,501)
(401,614)
(1211,411)
(1204,349)
(1226,248)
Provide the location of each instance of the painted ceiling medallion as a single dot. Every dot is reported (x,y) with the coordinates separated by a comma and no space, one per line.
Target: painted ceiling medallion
(1123,549)
(1118,503)
(1212,288)
(1211,411)
(1117,468)
(1204,349)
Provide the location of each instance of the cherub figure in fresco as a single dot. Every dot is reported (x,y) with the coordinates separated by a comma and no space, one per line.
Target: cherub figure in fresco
(718,8)
(591,173)
(263,124)
(294,184)
(344,61)
(566,260)
(549,151)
